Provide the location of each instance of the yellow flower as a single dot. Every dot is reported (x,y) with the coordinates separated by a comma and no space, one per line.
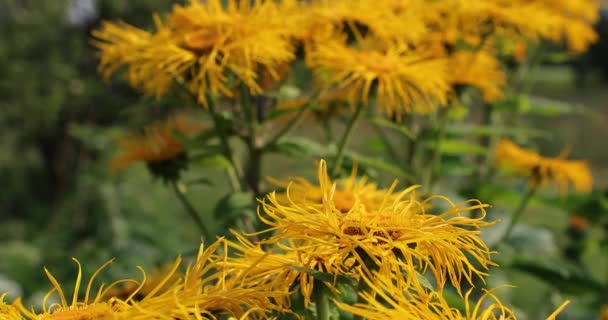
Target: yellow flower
(397,233)
(402,80)
(282,270)
(390,21)
(401,303)
(348,192)
(207,291)
(542,169)
(86,309)
(7,311)
(158,142)
(480,69)
(139,291)
(154,60)
(604,313)
(200,46)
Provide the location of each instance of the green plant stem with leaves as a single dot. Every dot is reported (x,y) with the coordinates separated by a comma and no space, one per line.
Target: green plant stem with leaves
(525,200)
(226,149)
(322,303)
(191,210)
(346,138)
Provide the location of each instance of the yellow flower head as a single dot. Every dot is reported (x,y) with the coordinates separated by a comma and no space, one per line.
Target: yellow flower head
(542,169)
(206,291)
(348,192)
(200,45)
(401,80)
(158,142)
(89,308)
(401,303)
(562,21)
(397,233)
(480,69)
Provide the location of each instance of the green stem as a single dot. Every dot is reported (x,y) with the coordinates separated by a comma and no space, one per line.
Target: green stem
(346,137)
(435,164)
(361,288)
(219,128)
(322,303)
(525,200)
(387,142)
(292,123)
(191,211)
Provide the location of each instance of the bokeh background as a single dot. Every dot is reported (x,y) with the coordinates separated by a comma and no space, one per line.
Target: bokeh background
(59,121)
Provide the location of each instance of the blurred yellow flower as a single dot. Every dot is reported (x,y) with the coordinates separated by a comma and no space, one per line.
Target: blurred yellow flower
(396,233)
(540,169)
(479,69)
(400,80)
(157,143)
(201,44)
(604,313)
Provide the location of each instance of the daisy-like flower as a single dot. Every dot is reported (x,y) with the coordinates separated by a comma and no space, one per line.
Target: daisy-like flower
(398,233)
(401,303)
(347,192)
(541,169)
(401,80)
(88,308)
(208,291)
(199,46)
(158,147)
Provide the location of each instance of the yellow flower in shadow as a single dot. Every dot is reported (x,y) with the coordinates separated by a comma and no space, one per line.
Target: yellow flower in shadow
(158,142)
(397,232)
(540,170)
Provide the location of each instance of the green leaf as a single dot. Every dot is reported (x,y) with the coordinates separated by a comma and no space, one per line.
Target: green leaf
(566,278)
(468,130)
(394,126)
(457,147)
(299,147)
(234,205)
(381,164)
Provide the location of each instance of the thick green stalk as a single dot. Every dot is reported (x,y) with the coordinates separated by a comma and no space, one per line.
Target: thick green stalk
(346,138)
(525,200)
(322,303)
(191,211)
(435,164)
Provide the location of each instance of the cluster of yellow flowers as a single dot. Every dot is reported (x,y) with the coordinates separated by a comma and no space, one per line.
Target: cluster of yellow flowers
(409,55)
(386,239)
